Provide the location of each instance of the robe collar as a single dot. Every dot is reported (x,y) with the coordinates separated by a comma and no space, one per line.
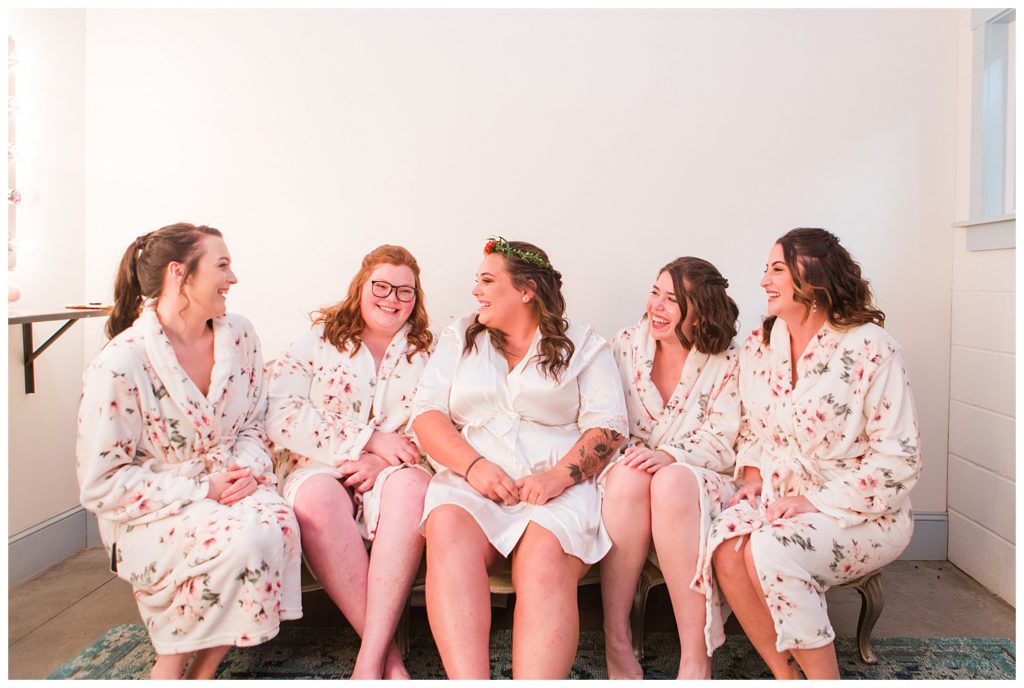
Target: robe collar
(393,354)
(202,411)
(813,361)
(644,348)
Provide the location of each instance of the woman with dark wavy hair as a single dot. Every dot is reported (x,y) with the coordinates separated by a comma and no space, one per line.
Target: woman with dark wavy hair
(339,404)
(518,411)
(827,453)
(679,370)
(174,461)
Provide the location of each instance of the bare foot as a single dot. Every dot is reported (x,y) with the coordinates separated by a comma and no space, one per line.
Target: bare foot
(619,657)
(366,670)
(394,667)
(695,669)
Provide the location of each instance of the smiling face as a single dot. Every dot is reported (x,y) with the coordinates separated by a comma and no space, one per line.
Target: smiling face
(777,283)
(386,315)
(207,287)
(663,311)
(501,302)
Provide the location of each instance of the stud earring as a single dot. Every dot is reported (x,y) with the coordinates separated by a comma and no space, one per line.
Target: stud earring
(814,308)
(526,299)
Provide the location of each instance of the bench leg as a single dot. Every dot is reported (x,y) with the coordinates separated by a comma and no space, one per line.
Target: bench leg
(872,602)
(636,618)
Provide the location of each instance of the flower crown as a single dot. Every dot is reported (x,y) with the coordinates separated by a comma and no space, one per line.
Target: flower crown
(501,245)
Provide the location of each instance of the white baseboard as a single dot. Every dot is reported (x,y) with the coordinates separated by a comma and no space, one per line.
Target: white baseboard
(931,537)
(42,546)
(46,544)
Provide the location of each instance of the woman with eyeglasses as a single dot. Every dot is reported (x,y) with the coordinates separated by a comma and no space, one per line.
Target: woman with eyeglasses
(339,403)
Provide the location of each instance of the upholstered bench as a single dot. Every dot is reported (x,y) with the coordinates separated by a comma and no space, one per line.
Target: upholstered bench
(869,586)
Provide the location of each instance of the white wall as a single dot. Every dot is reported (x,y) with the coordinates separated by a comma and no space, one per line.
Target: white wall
(617,140)
(50,124)
(982,409)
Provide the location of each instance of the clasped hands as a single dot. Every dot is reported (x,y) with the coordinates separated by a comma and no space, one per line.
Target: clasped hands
(383,449)
(233,485)
(490,480)
(783,507)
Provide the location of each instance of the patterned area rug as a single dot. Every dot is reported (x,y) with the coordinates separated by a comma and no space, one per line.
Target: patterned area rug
(125,653)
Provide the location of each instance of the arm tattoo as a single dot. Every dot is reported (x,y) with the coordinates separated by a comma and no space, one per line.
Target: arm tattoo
(596,447)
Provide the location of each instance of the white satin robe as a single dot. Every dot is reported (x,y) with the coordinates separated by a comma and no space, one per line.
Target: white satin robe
(525,422)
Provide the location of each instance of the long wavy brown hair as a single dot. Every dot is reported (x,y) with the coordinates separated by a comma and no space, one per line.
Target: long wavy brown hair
(715,323)
(826,275)
(343,322)
(140,275)
(548,305)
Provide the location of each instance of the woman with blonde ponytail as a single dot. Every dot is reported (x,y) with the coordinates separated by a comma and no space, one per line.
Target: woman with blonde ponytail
(173,458)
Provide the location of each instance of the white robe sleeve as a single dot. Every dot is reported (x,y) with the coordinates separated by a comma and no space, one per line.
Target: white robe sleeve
(749,451)
(711,445)
(435,384)
(116,483)
(251,447)
(295,423)
(879,481)
(602,404)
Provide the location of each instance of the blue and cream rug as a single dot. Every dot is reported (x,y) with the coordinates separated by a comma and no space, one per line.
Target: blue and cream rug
(301,652)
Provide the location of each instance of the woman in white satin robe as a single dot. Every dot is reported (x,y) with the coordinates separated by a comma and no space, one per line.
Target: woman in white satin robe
(519,412)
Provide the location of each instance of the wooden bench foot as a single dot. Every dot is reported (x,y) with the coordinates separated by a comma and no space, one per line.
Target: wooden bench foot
(872,596)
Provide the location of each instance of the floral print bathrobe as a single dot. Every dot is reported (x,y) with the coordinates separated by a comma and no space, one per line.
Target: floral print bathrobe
(324,405)
(203,574)
(846,438)
(525,422)
(697,426)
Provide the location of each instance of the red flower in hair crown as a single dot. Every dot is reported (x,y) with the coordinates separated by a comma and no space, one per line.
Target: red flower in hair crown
(500,245)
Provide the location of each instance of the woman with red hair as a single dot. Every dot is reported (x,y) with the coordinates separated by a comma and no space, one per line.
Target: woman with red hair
(338,404)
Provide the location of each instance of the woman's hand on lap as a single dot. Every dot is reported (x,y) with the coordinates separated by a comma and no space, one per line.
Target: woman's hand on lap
(221,482)
(646,459)
(393,448)
(492,482)
(362,473)
(541,487)
(788,507)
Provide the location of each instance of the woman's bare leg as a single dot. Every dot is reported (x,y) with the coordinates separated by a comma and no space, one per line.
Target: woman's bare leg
(626,512)
(818,662)
(675,517)
(546,623)
(204,664)
(748,604)
(458,595)
(170,666)
(394,559)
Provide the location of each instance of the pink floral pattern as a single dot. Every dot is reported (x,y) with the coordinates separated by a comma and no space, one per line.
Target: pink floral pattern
(846,438)
(324,404)
(147,441)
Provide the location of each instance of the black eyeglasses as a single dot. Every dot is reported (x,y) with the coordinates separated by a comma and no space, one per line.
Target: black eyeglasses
(382,290)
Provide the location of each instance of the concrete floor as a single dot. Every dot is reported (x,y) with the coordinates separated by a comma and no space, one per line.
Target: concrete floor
(60,612)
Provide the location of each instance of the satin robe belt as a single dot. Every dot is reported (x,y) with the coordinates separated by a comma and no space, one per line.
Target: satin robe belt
(505,426)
